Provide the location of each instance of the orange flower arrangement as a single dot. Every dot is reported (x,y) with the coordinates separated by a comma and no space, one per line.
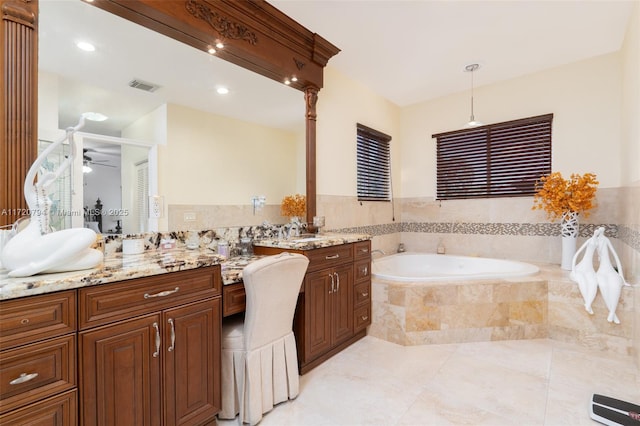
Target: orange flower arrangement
(556,195)
(293,205)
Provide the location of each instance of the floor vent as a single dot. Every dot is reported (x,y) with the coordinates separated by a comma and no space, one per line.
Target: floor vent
(143,85)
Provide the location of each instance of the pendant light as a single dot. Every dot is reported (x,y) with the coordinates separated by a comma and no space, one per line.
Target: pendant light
(472,120)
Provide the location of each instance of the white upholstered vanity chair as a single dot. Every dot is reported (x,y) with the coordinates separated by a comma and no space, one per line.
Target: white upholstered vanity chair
(259,356)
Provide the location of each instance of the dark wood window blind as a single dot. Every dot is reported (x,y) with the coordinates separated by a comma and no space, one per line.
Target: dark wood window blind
(497,160)
(374,165)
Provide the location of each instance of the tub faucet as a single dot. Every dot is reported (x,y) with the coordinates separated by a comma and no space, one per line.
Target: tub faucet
(378,251)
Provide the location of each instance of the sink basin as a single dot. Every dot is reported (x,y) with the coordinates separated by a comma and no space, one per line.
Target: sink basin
(306,240)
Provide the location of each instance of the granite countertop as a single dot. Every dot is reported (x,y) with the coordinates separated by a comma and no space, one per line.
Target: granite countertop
(310,243)
(118,267)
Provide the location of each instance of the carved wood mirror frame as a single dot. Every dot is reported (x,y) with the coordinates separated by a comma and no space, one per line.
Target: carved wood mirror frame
(256,35)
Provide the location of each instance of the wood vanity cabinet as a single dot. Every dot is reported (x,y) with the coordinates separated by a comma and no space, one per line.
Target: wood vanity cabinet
(234,299)
(38,360)
(362,286)
(149,350)
(330,310)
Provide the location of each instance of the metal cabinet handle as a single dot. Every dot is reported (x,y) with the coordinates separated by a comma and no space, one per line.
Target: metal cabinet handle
(173,335)
(24,377)
(364,250)
(364,294)
(332,284)
(162,293)
(364,317)
(337,281)
(157,352)
(335,256)
(365,271)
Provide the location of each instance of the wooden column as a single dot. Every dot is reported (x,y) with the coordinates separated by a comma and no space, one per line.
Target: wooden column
(311,98)
(19,107)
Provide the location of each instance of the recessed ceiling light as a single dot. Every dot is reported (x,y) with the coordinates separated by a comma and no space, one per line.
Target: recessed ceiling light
(294,78)
(94,116)
(87,47)
(219,45)
(287,81)
(222,90)
(211,50)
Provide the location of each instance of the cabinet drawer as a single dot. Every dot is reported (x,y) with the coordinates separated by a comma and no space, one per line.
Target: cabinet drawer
(362,269)
(57,410)
(110,302)
(36,371)
(362,250)
(329,256)
(234,299)
(362,293)
(34,318)
(362,318)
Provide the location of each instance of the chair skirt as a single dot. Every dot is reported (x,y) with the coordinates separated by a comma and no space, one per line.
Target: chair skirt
(254,381)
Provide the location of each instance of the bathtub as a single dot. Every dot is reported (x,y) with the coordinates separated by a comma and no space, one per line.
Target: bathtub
(422,299)
(424,267)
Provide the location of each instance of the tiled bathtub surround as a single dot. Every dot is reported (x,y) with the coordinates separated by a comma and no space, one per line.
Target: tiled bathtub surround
(546,305)
(459,311)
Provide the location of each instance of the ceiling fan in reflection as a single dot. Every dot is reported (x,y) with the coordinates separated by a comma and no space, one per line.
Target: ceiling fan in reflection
(86,161)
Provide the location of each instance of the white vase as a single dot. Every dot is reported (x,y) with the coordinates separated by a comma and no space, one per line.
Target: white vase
(569,232)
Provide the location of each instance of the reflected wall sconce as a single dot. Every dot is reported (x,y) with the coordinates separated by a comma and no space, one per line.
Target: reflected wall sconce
(258,202)
(472,120)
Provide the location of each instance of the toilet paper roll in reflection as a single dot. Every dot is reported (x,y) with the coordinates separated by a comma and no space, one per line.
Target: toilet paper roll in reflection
(133,246)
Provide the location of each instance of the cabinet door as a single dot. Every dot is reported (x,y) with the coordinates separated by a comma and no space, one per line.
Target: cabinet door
(342,301)
(120,373)
(59,410)
(192,362)
(318,296)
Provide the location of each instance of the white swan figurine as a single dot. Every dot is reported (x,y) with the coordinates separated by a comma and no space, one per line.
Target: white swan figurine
(583,273)
(35,249)
(610,281)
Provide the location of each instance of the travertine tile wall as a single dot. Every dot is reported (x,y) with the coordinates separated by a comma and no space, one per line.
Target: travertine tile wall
(547,305)
(499,227)
(570,322)
(459,311)
(629,204)
(218,216)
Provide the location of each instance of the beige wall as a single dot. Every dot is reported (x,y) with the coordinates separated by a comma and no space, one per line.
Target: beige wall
(585,98)
(631,101)
(210,159)
(343,103)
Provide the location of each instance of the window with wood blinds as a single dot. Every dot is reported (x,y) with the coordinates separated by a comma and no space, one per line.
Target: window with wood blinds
(497,160)
(374,165)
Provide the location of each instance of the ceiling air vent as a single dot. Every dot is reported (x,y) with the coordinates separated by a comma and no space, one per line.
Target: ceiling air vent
(143,85)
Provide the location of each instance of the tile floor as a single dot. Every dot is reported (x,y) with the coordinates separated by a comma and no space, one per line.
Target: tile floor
(516,382)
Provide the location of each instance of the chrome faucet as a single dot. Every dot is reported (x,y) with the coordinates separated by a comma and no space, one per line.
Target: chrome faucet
(378,251)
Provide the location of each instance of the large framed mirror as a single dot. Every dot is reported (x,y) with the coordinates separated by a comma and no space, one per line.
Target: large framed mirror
(256,36)
(223,134)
